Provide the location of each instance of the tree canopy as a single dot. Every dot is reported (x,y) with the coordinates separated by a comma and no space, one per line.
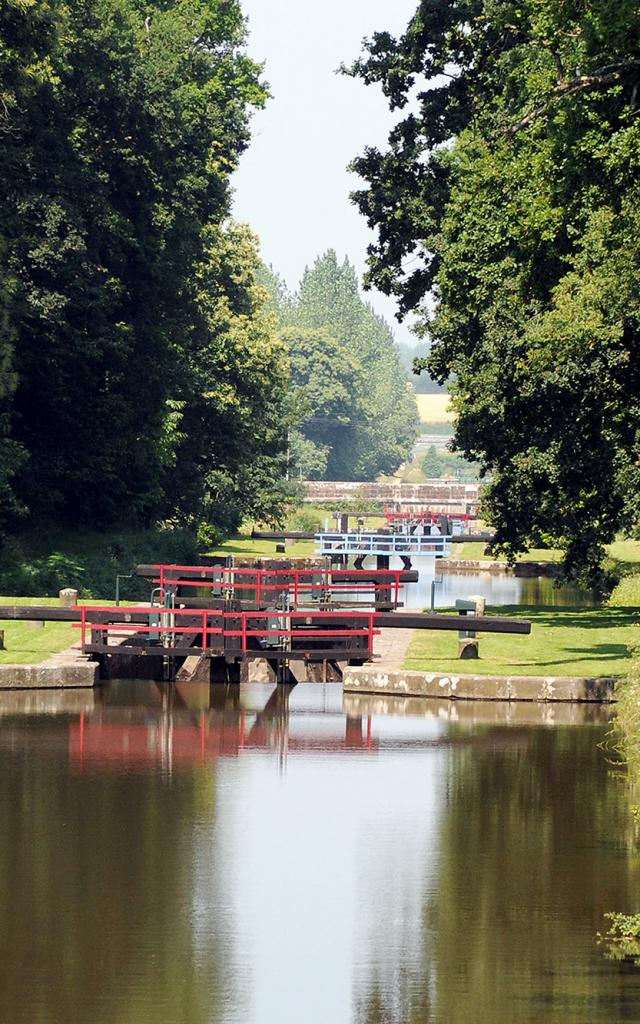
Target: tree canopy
(510,192)
(134,347)
(356,406)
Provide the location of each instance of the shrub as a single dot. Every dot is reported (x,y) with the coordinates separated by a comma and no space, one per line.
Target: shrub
(90,562)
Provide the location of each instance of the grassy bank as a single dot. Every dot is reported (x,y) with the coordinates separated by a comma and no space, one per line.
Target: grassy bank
(249,547)
(27,643)
(476,552)
(563,642)
(623,553)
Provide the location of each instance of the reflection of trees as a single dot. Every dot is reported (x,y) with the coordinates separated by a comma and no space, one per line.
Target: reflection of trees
(531,854)
(97,879)
(531,859)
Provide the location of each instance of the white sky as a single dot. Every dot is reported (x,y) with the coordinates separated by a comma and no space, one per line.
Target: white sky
(292,185)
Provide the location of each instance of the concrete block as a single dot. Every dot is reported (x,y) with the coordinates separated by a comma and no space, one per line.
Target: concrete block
(49,676)
(480,602)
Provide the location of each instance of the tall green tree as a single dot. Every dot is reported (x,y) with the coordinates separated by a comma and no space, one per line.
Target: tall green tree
(382,413)
(234,409)
(112,208)
(509,190)
(328,384)
(27,38)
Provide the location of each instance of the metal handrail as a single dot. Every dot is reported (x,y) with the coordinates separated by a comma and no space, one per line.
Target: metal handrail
(383,543)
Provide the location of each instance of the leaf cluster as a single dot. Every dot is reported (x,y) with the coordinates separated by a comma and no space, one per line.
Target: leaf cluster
(508,194)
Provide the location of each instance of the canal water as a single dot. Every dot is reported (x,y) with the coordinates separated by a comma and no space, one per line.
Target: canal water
(212,855)
(497,588)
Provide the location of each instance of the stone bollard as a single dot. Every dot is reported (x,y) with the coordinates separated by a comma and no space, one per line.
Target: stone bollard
(68,597)
(468,648)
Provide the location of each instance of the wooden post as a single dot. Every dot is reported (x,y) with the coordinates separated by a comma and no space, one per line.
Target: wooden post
(2,647)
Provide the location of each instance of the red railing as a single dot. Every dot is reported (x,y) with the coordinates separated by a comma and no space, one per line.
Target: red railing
(425,516)
(294,581)
(135,627)
(207,631)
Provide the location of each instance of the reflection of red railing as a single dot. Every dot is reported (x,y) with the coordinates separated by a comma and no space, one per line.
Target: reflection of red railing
(109,742)
(202,625)
(295,582)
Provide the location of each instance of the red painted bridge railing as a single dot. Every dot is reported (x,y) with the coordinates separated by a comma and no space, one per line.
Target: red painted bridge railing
(425,516)
(298,583)
(164,624)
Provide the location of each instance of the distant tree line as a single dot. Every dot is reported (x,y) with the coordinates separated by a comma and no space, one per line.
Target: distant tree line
(423,383)
(509,191)
(356,408)
(140,372)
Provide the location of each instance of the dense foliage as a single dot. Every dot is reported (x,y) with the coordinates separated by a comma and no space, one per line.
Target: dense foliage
(510,190)
(140,376)
(358,412)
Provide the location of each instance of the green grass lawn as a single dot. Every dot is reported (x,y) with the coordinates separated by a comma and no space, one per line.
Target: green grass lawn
(563,641)
(254,548)
(475,552)
(625,550)
(27,644)
(622,550)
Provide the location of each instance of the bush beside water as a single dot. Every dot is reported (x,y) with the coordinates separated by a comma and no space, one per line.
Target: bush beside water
(622,938)
(39,566)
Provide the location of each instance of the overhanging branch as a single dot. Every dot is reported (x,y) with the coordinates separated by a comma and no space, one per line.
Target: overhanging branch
(607,75)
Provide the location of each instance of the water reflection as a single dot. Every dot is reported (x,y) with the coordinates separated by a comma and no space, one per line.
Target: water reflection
(209,855)
(496,588)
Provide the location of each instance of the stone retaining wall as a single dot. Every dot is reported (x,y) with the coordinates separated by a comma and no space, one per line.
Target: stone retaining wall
(49,676)
(369,679)
(438,491)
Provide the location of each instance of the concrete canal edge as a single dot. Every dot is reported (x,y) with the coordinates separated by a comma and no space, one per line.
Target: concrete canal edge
(67,670)
(374,680)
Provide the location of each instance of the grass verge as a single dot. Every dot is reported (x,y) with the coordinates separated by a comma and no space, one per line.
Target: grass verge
(249,547)
(626,552)
(563,642)
(476,553)
(27,643)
